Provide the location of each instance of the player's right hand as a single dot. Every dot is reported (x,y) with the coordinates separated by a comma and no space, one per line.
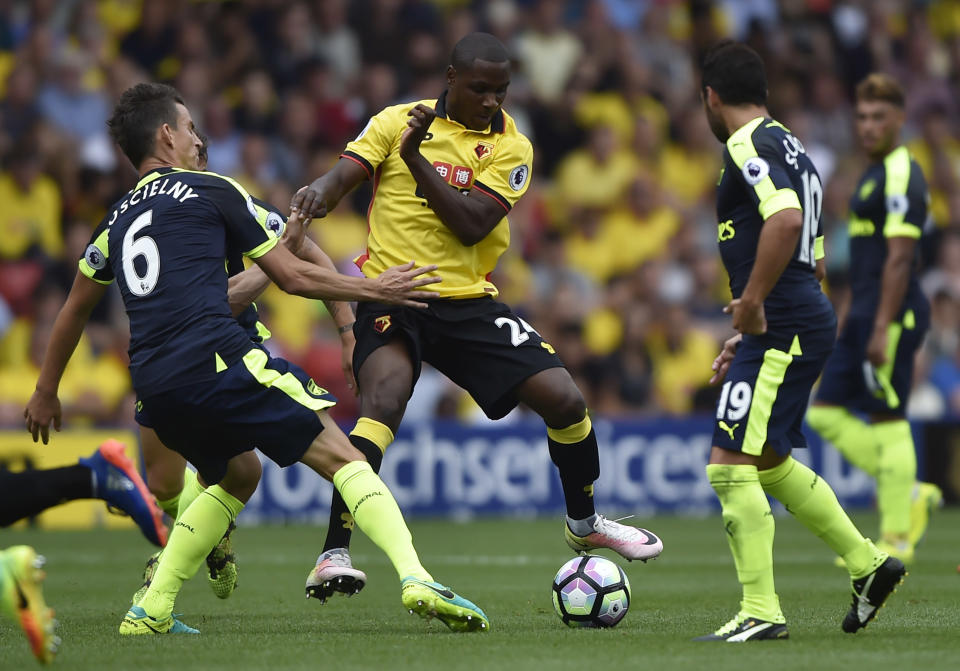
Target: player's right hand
(722,363)
(309,201)
(398,285)
(42,408)
(418,124)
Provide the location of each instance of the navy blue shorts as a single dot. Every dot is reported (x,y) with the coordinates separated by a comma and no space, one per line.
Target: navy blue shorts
(766,390)
(259,402)
(479,343)
(849,380)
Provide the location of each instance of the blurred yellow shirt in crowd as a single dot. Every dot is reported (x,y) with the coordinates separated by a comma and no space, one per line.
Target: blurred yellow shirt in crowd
(104,376)
(582,181)
(688,175)
(939,200)
(679,372)
(29,218)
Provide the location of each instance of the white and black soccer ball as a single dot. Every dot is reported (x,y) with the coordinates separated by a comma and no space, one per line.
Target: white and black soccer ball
(591,591)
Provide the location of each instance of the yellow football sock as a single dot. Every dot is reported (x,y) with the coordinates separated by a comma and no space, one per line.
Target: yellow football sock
(849,434)
(748,521)
(200,527)
(170,506)
(376,513)
(191,490)
(811,500)
(895,477)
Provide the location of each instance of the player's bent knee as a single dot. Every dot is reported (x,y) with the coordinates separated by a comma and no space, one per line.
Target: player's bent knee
(386,404)
(330,450)
(243,475)
(566,408)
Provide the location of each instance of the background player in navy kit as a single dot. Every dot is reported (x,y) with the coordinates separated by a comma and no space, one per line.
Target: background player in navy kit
(207,390)
(871,369)
(768,205)
(446,173)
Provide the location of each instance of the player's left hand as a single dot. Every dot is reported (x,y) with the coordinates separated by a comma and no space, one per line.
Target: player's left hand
(295,230)
(418,124)
(747,317)
(722,363)
(877,347)
(310,200)
(42,408)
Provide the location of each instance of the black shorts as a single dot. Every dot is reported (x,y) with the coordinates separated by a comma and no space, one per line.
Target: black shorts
(849,380)
(479,343)
(259,402)
(765,392)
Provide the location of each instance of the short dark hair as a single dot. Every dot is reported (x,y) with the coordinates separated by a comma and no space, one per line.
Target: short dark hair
(880,87)
(735,72)
(140,111)
(478,46)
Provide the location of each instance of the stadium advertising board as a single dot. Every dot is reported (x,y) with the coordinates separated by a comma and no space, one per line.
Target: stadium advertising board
(449,469)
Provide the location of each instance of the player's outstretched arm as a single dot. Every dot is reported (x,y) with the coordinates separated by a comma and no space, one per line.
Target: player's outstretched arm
(245,287)
(323,194)
(469,217)
(44,406)
(398,285)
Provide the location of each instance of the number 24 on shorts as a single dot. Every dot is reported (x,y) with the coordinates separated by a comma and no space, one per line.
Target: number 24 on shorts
(519,330)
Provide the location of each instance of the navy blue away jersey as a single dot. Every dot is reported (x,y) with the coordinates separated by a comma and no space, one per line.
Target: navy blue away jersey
(766,170)
(890,201)
(273,220)
(166,243)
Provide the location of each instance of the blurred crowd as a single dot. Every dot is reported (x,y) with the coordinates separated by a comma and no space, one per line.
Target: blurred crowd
(613,256)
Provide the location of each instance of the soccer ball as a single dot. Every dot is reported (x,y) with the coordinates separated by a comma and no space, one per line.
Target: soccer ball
(590,591)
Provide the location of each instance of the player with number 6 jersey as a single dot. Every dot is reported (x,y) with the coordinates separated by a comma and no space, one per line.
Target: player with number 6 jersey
(209,392)
(768,203)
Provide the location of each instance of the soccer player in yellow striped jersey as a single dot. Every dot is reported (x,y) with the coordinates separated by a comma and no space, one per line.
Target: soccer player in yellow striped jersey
(768,202)
(446,173)
(871,369)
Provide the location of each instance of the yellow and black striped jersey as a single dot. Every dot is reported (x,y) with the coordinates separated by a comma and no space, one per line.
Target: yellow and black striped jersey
(497,162)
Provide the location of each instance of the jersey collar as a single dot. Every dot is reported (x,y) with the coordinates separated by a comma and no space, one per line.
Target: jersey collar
(496,125)
(742,134)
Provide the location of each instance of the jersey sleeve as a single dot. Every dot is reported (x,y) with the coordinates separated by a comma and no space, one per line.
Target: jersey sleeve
(763,167)
(905,196)
(374,142)
(270,217)
(95,262)
(508,175)
(245,227)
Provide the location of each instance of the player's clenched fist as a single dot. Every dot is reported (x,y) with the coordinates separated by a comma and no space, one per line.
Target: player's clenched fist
(419,122)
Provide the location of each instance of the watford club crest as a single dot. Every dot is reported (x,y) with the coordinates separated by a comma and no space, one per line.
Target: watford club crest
(381,324)
(483,149)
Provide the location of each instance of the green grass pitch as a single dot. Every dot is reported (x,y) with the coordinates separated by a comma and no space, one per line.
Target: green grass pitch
(506,567)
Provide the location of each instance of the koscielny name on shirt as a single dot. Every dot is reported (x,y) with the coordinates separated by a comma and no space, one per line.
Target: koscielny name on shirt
(178,191)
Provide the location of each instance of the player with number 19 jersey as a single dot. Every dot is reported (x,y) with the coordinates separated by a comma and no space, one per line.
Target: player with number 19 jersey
(766,170)
(765,394)
(172,273)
